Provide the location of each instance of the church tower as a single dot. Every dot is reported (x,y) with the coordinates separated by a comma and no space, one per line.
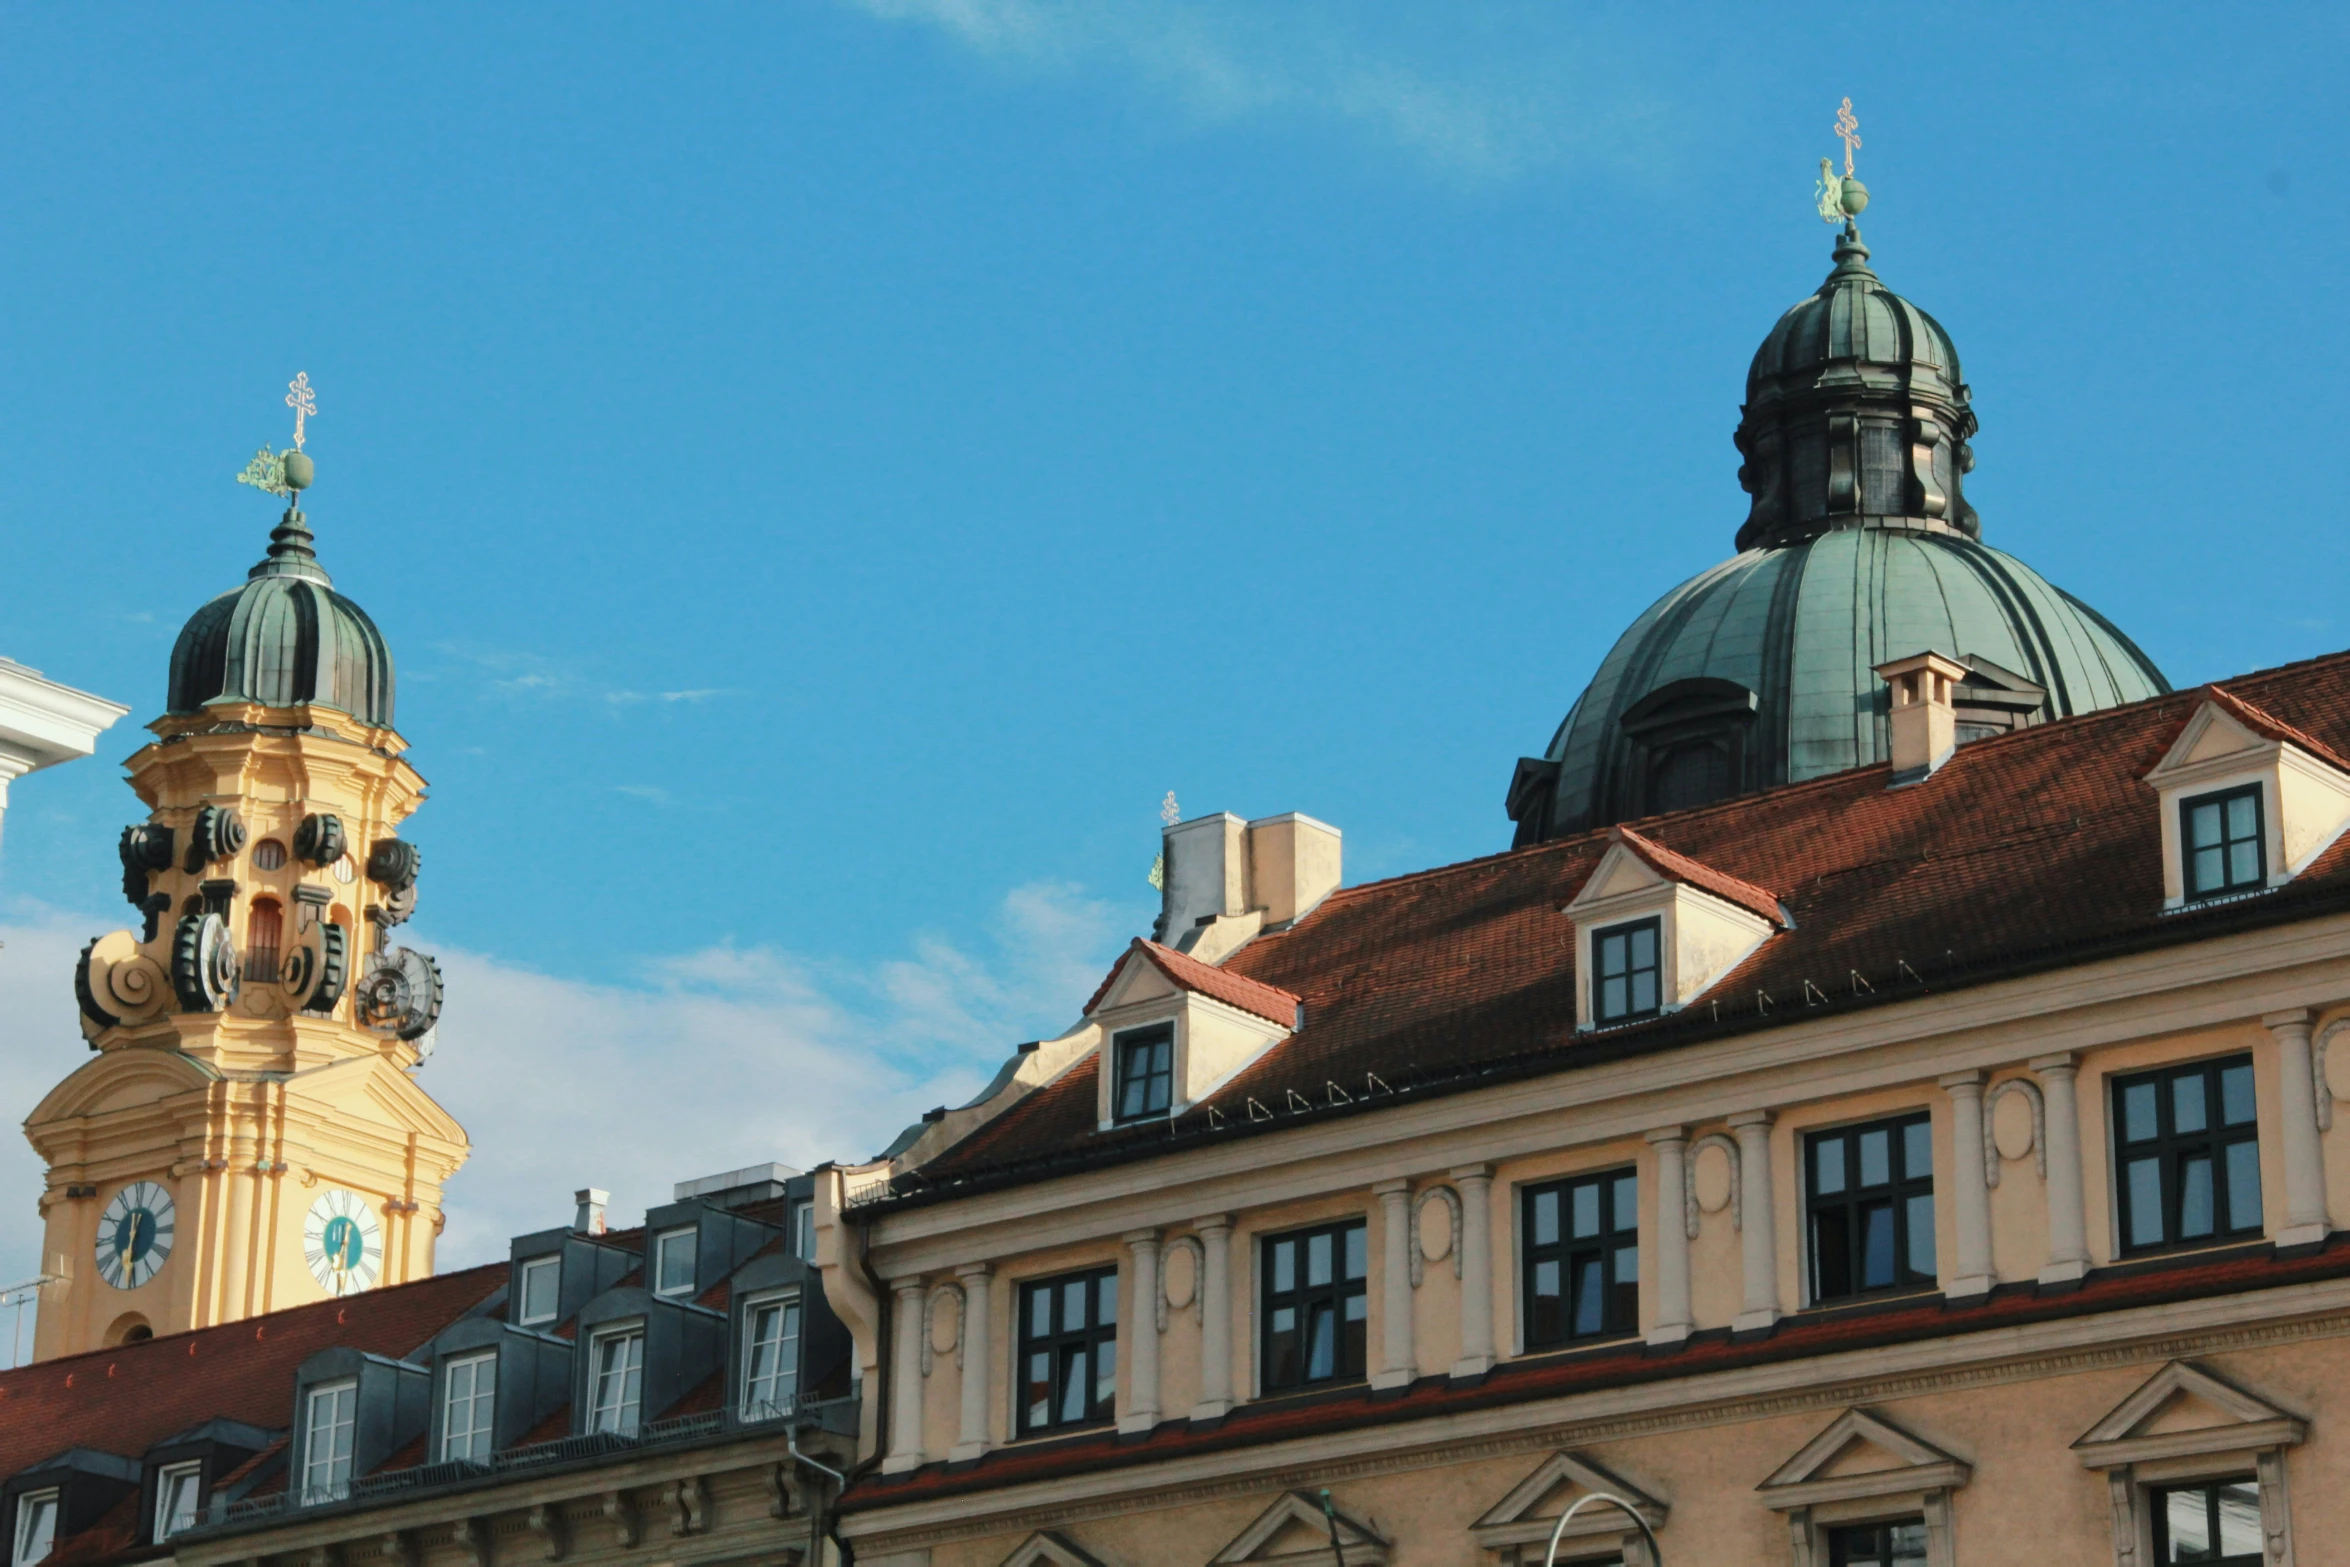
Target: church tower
(249,1134)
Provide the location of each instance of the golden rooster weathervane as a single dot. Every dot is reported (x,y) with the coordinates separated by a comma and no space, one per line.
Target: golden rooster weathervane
(1841,198)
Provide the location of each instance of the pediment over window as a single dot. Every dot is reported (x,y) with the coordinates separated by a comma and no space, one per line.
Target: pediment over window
(1707,922)
(1050,1550)
(1294,1530)
(2183,1412)
(1518,1526)
(2228,747)
(1859,1457)
(1220,1022)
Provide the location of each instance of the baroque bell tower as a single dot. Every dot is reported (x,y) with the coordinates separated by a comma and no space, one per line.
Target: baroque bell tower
(249,1134)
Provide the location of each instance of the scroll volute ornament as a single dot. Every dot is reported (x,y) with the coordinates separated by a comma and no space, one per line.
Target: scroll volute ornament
(145,849)
(116,983)
(204,967)
(317,972)
(320,840)
(401,994)
(394,863)
(218,833)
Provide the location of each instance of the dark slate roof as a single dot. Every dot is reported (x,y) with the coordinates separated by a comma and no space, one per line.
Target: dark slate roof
(2034,849)
(283,638)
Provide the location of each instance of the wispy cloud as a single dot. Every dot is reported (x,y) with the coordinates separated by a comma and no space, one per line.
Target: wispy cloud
(703,1061)
(524,676)
(1474,105)
(652,792)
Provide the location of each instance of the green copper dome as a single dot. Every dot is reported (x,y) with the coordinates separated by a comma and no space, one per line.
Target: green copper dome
(1858,548)
(284,638)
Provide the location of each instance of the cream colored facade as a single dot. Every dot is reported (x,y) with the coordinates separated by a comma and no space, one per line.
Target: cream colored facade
(247,1115)
(2010,1442)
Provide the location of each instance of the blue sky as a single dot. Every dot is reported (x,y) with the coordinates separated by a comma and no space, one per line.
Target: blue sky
(828,469)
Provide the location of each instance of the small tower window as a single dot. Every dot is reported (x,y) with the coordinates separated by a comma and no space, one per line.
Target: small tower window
(269,855)
(1626,977)
(2222,834)
(265,933)
(1146,1073)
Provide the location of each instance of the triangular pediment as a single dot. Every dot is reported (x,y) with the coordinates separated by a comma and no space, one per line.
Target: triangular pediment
(121,1079)
(1294,1529)
(1861,1454)
(2183,1409)
(1619,871)
(1050,1550)
(1532,1508)
(1137,980)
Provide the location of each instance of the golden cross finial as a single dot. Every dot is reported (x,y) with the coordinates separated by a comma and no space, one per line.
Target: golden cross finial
(1847,131)
(304,402)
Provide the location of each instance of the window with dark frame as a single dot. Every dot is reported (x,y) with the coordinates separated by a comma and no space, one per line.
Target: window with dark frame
(2187,1146)
(1581,1269)
(1870,1193)
(1626,978)
(1146,1073)
(1068,1351)
(1878,1544)
(2212,1525)
(2221,838)
(1316,1312)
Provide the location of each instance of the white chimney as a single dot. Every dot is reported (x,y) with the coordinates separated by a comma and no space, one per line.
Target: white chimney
(1924,716)
(590,1218)
(1271,871)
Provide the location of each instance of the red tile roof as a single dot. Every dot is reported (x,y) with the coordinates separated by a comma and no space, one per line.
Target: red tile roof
(2032,849)
(1186,972)
(1681,868)
(2262,723)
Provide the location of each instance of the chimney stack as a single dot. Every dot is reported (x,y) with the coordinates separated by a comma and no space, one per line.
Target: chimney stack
(1218,867)
(590,1218)
(1924,713)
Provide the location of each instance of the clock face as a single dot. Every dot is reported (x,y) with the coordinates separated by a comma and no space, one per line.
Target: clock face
(343,1242)
(134,1235)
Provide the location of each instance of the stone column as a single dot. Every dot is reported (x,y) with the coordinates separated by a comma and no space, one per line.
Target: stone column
(2306,1220)
(1970,1192)
(1476,1187)
(1398,1365)
(905,1373)
(1674,1319)
(978,1351)
(1215,1317)
(1142,1334)
(1758,1232)
(2068,1214)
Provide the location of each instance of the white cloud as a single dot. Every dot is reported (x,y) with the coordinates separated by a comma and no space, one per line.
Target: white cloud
(1473,105)
(705,1061)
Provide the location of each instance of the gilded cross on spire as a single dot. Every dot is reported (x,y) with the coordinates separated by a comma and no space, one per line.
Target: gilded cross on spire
(1848,132)
(304,402)
(1840,198)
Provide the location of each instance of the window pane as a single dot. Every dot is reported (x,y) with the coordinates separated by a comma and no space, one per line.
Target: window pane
(2186,1103)
(1351,1338)
(1322,1345)
(2139,1119)
(1876,1158)
(674,1260)
(1284,1266)
(1828,1177)
(2145,1178)
(2244,864)
(2187,1522)
(1586,1203)
(1040,1389)
(1546,1218)
(1876,1245)
(2209,870)
(1831,1250)
(1644,990)
(1358,1252)
(2203,824)
(1317,1259)
(1614,998)
(1612,952)
(1921,1235)
(2244,1186)
(1627,1202)
(1073,1313)
(2195,1205)
(1546,1280)
(540,1275)
(1590,1295)
(1105,1375)
(2235,1095)
(2239,1519)
(1106,1302)
(1627,1287)
(1917,1150)
(1074,1388)
(1130,1098)
(1644,947)
(1281,1367)
(2241,817)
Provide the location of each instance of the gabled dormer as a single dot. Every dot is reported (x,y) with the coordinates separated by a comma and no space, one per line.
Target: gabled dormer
(1654,930)
(2247,802)
(1173,1030)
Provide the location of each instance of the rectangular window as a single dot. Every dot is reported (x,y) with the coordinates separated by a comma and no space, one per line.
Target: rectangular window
(803,1228)
(1626,981)
(1582,1258)
(1870,1190)
(771,1357)
(1316,1313)
(617,1387)
(469,1407)
(36,1527)
(328,1420)
(1878,1545)
(2215,1525)
(176,1488)
(2225,848)
(2187,1143)
(673,1262)
(1146,1073)
(1068,1351)
(541,1277)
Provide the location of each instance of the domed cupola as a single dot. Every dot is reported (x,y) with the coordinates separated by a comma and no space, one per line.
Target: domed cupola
(284,638)
(1858,549)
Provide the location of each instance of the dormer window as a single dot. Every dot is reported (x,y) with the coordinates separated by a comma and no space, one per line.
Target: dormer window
(330,1417)
(2223,840)
(1146,1073)
(673,1262)
(469,1407)
(1625,979)
(541,1277)
(617,1373)
(771,1357)
(176,1488)
(36,1527)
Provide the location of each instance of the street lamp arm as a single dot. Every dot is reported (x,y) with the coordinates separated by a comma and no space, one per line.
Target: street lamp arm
(1656,1557)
